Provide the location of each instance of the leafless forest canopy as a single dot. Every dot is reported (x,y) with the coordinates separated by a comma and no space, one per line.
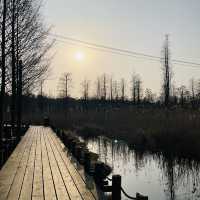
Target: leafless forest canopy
(24,53)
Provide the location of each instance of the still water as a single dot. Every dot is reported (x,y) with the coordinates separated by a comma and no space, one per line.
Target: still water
(159,176)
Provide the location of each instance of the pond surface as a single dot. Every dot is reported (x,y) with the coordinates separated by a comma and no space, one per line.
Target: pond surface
(159,176)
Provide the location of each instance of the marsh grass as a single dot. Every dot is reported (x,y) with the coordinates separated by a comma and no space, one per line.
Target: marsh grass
(175,131)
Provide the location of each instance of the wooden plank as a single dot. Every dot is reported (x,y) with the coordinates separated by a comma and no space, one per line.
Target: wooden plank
(9,170)
(26,191)
(38,192)
(15,190)
(68,181)
(89,181)
(49,187)
(90,184)
(61,191)
(85,193)
(40,169)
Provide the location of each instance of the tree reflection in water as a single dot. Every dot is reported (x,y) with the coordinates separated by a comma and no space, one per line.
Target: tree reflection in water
(180,177)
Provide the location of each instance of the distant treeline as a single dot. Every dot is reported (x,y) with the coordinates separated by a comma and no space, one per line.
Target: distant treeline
(44,105)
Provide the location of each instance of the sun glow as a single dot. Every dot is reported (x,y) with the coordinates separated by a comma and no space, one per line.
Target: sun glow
(79,56)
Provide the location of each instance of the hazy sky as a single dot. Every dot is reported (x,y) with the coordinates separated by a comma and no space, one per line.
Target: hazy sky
(136,25)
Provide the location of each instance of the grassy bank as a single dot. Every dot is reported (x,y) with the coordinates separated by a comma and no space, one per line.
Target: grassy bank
(176,131)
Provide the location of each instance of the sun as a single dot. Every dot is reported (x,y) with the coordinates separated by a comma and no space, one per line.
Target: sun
(79,56)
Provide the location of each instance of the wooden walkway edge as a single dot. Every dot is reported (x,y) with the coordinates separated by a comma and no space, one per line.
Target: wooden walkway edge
(39,168)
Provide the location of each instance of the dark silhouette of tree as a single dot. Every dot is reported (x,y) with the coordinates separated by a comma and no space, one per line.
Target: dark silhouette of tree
(135,88)
(192,91)
(85,90)
(182,94)
(198,90)
(122,89)
(98,88)
(166,72)
(23,37)
(19,98)
(149,96)
(3,65)
(174,94)
(192,82)
(104,86)
(111,88)
(13,63)
(139,90)
(65,83)
(115,90)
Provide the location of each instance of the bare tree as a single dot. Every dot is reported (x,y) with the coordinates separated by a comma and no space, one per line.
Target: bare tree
(3,65)
(23,37)
(13,63)
(149,96)
(174,94)
(98,88)
(65,83)
(85,91)
(19,97)
(134,79)
(28,41)
(198,89)
(166,72)
(104,86)
(122,89)
(182,94)
(115,90)
(139,90)
(192,89)
(111,88)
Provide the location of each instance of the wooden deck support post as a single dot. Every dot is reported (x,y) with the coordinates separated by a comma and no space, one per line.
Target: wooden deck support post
(116,187)
(58,132)
(73,146)
(78,150)
(83,155)
(2,157)
(61,135)
(87,161)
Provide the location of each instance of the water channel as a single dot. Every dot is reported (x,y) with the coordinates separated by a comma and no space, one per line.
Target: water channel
(161,177)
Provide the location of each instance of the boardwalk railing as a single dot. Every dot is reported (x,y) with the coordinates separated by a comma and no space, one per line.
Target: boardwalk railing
(9,141)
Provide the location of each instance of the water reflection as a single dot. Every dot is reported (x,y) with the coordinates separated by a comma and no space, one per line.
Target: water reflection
(160,176)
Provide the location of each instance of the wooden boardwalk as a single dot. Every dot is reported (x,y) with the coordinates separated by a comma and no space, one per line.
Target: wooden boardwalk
(39,168)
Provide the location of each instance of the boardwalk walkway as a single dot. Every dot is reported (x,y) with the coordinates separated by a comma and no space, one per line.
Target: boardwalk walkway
(40,169)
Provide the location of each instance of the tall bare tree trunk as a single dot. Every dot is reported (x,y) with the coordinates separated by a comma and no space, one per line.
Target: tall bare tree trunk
(138,91)
(111,89)
(192,93)
(19,99)
(122,89)
(13,99)
(19,77)
(166,73)
(98,88)
(104,87)
(3,69)
(134,79)
(134,95)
